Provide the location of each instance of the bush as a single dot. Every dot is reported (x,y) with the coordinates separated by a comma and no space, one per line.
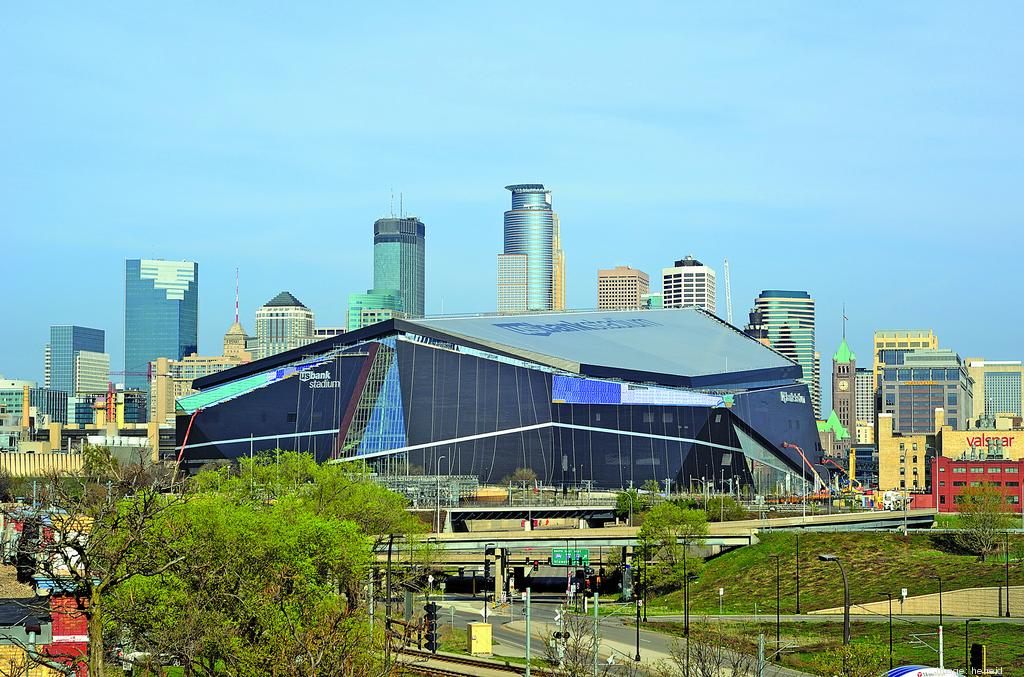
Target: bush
(724,507)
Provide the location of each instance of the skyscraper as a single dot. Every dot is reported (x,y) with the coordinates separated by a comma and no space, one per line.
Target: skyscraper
(787,318)
(689,283)
(67,342)
(531,231)
(161,315)
(865,387)
(398,260)
(998,387)
(283,323)
(621,288)
(892,346)
(376,305)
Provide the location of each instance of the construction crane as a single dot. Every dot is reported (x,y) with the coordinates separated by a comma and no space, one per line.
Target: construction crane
(852,481)
(789,445)
(728,293)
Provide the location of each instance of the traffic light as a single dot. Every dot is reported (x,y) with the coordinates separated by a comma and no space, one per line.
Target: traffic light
(433,643)
(536,565)
(561,635)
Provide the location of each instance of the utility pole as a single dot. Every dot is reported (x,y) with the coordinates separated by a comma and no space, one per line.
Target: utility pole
(760,654)
(597,634)
(527,631)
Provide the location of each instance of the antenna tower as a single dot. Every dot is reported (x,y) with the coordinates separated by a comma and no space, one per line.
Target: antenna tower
(728,294)
(236,295)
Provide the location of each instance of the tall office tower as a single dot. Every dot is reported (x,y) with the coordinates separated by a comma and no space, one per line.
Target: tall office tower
(926,379)
(398,260)
(865,387)
(512,283)
(530,234)
(92,372)
(621,288)
(998,387)
(557,265)
(66,343)
(892,345)
(283,323)
(816,389)
(161,315)
(376,305)
(689,283)
(844,389)
(787,319)
(236,342)
(756,328)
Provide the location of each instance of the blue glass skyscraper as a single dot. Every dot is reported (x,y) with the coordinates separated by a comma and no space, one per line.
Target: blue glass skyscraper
(66,341)
(161,314)
(529,231)
(398,260)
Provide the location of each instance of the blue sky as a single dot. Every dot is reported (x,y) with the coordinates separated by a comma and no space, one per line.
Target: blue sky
(870,153)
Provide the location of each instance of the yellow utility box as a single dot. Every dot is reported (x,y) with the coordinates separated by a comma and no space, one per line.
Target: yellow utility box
(479,635)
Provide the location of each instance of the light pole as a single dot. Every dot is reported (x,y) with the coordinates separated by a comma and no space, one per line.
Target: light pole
(846,595)
(778,601)
(1006,547)
(637,598)
(797,573)
(939,579)
(889,595)
(942,651)
(437,476)
(967,644)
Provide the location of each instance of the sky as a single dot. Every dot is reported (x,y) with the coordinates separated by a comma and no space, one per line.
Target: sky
(871,153)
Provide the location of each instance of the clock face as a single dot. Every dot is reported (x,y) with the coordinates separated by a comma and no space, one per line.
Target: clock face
(844,385)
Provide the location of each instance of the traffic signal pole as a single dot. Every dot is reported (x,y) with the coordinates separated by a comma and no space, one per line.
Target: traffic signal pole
(527,632)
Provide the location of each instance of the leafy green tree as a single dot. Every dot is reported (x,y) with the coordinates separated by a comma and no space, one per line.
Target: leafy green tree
(520,475)
(984,514)
(665,537)
(628,503)
(724,508)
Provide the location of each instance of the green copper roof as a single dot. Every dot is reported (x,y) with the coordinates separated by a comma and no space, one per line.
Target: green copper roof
(844,355)
(833,424)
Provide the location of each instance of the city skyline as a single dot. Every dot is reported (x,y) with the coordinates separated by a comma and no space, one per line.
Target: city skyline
(741,153)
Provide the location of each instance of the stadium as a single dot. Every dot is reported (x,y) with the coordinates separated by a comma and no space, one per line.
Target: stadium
(609,398)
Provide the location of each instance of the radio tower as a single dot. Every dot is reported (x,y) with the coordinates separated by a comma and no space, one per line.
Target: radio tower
(728,294)
(236,295)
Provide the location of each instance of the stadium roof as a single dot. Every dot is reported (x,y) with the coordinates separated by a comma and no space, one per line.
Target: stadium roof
(681,346)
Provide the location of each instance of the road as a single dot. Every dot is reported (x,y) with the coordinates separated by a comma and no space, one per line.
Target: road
(618,632)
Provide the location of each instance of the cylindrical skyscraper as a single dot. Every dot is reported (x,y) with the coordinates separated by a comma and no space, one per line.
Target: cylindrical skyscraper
(398,255)
(529,232)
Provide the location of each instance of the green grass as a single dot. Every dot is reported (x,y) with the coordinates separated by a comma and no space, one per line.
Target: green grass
(1003,641)
(876,563)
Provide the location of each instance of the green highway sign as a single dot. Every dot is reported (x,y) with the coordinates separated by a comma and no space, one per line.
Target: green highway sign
(566,557)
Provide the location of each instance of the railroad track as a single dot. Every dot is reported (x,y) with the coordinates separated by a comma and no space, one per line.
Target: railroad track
(461,665)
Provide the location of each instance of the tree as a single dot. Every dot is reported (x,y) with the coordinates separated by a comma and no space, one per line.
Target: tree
(665,537)
(94,537)
(710,654)
(984,514)
(520,475)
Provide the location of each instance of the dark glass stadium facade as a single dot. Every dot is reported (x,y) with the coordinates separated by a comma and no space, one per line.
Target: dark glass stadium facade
(443,396)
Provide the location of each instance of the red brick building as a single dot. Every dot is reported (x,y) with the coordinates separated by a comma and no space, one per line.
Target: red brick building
(950,477)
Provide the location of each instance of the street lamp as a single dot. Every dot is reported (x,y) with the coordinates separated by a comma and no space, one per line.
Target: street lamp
(437,476)
(797,573)
(846,595)
(939,579)
(637,598)
(967,644)
(686,627)
(778,600)
(889,595)
(1006,547)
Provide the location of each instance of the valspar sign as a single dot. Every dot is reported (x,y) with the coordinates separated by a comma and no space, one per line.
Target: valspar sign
(318,379)
(984,440)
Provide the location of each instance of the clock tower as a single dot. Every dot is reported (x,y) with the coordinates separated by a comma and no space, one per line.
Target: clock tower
(844,389)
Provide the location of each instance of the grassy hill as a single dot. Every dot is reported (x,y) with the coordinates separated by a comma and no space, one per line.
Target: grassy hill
(875,563)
